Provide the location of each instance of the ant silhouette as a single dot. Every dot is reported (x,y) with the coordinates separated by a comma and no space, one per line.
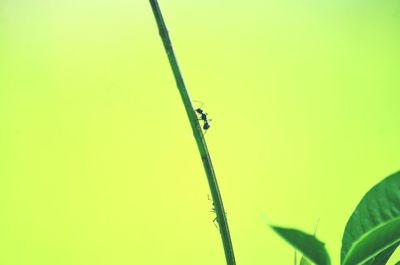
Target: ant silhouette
(204,118)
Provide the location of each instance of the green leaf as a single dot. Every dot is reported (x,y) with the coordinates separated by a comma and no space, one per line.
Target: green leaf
(374,226)
(304,261)
(313,249)
(383,257)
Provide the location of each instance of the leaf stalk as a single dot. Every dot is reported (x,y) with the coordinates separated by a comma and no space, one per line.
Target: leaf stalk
(198,135)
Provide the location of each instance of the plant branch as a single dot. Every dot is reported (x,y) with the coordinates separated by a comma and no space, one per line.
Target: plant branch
(198,135)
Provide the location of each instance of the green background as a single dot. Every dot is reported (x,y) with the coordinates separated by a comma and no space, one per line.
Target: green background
(97,160)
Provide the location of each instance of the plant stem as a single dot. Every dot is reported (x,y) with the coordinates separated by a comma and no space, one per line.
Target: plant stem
(198,135)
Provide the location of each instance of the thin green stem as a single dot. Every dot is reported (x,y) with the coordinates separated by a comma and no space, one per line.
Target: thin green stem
(198,135)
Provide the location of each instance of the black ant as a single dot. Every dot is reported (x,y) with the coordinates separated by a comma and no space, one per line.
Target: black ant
(203,117)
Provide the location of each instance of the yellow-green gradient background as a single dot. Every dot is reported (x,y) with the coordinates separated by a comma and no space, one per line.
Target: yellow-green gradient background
(97,161)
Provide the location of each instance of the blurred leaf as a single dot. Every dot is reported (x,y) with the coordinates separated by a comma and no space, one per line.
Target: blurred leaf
(383,257)
(374,226)
(313,249)
(304,261)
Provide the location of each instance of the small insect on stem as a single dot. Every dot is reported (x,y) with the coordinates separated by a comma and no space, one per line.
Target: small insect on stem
(215,220)
(203,117)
